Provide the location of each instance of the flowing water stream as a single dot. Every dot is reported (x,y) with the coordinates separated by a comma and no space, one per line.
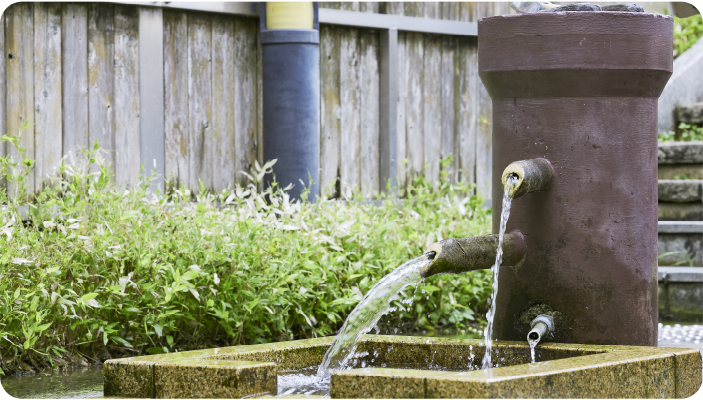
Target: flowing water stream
(377,302)
(510,182)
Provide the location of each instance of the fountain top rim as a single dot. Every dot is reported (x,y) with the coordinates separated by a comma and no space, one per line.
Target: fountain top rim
(585,14)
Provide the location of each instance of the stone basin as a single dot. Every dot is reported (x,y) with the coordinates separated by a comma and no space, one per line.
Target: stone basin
(424,368)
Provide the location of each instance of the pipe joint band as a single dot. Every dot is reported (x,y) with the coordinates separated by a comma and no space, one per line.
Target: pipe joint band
(287,36)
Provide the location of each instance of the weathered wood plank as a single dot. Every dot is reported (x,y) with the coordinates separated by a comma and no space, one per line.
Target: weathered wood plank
(101,78)
(47,89)
(369,166)
(501,8)
(19,36)
(330,4)
(370,129)
(484,137)
(467,108)
(199,99)
(219,146)
(350,118)
(432,98)
(245,87)
(369,157)
(176,97)
(415,142)
(330,109)
(259,102)
(74,58)
(3,104)
(450,79)
(403,71)
(369,6)
(393,7)
(349,5)
(126,103)
(398,8)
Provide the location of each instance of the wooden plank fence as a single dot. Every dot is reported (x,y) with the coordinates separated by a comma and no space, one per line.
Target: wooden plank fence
(72,71)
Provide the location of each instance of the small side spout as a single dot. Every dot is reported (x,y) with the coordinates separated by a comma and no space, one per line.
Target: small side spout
(533,175)
(542,325)
(454,256)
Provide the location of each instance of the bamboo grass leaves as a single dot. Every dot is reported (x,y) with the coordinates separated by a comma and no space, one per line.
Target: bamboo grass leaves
(100,271)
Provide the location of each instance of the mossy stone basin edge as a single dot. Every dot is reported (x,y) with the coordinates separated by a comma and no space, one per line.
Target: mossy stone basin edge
(562,370)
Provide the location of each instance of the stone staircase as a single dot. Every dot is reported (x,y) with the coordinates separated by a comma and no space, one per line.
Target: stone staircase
(681,181)
(680,229)
(681,203)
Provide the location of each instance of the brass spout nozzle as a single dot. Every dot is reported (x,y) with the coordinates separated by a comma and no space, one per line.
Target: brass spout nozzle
(533,176)
(454,256)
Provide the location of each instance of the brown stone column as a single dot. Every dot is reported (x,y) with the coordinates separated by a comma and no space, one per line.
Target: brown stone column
(580,89)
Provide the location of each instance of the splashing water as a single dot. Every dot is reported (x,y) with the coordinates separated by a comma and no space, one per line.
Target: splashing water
(370,309)
(510,182)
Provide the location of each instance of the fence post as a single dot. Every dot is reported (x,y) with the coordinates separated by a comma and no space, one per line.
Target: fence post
(388,81)
(151,94)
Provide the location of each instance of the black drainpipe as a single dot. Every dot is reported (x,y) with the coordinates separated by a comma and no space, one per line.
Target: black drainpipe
(291,101)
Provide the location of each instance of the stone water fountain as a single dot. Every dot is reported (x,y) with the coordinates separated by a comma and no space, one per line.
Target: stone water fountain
(575,97)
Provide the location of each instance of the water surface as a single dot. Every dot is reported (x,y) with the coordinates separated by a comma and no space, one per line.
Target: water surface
(77,383)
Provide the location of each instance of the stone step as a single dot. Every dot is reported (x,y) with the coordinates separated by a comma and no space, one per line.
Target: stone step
(680,211)
(680,171)
(681,275)
(680,243)
(680,191)
(681,293)
(691,113)
(680,160)
(680,153)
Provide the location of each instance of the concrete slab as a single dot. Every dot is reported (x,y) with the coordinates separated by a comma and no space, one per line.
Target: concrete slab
(680,153)
(680,211)
(680,171)
(681,274)
(680,190)
(680,227)
(691,113)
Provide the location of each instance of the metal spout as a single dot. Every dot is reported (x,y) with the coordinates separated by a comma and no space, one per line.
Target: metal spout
(533,175)
(454,256)
(542,325)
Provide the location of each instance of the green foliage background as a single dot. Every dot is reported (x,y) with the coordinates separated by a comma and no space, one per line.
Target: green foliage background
(687,31)
(100,272)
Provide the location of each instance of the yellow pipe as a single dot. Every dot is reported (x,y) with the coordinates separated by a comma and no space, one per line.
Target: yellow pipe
(289,15)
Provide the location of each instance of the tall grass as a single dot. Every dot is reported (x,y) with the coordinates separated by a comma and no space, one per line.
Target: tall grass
(99,272)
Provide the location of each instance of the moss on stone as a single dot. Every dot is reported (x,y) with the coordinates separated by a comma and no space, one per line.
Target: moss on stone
(538,309)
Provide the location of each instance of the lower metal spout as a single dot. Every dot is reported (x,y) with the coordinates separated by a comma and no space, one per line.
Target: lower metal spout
(542,325)
(454,256)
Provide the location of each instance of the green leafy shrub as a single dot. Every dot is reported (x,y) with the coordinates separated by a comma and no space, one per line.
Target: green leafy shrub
(687,133)
(99,272)
(687,31)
